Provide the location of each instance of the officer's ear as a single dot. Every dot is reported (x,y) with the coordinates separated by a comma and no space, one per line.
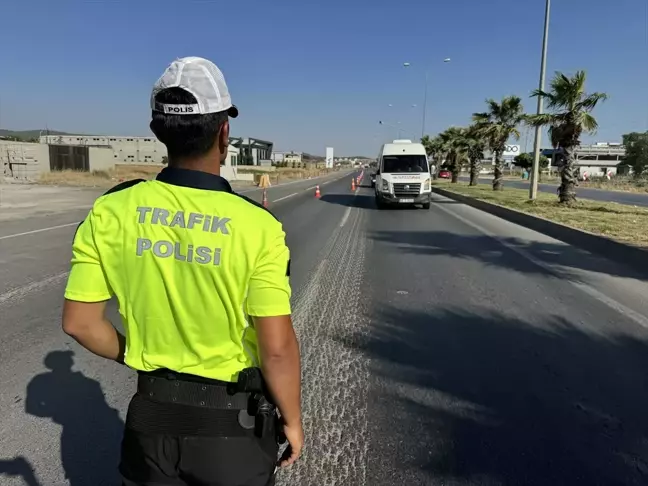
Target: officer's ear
(223,135)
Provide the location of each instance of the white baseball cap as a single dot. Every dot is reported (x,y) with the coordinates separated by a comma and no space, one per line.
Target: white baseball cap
(203,80)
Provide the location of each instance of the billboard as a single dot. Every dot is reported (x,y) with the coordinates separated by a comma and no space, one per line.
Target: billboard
(511,151)
(329,157)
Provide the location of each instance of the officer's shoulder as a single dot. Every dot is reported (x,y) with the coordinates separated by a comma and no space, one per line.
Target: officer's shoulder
(123,186)
(115,191)
(256,208)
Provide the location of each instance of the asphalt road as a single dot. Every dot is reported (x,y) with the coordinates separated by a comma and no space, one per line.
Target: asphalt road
(631,198)
(441,347)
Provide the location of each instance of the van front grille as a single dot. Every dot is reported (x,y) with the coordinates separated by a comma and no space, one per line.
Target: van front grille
(403,189)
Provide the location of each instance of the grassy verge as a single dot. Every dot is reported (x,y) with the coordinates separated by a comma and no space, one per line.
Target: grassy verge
(284,174)
(621,222)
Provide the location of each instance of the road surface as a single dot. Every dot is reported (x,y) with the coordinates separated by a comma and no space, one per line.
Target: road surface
(441,347)
(630,198)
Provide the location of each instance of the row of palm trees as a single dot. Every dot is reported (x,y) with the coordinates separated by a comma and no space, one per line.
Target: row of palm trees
(569,115)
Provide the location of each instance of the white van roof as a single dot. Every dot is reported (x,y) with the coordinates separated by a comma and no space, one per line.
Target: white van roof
(403,147)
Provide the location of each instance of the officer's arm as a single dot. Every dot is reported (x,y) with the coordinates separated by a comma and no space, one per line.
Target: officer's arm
(269,304)
(86,295)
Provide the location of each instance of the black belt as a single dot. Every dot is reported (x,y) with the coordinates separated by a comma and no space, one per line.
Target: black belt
(181,392)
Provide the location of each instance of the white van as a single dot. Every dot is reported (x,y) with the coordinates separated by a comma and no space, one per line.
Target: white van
(403,175)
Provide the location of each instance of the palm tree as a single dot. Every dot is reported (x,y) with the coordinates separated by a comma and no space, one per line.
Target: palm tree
(570,115)
(434,148)
(498,125)
(453,146)
(475,144)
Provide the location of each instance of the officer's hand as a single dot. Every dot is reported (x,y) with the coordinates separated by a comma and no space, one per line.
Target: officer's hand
(295,436)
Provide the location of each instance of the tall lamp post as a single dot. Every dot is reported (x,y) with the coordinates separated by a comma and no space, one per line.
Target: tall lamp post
(535,168)
(425,95)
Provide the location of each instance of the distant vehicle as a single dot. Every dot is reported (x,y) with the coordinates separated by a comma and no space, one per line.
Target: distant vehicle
(445,174)
(403,175)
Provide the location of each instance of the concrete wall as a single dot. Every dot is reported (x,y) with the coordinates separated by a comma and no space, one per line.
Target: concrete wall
(101,158)
(23,160)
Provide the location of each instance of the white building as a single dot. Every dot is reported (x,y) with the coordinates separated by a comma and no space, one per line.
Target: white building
(288,157)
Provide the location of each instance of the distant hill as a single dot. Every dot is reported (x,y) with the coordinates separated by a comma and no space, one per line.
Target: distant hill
(28,135)
(311,158)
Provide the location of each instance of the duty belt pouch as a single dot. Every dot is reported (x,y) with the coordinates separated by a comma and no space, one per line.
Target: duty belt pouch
(264,417)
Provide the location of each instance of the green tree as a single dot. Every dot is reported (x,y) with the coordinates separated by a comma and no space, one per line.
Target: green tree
(454,146)
(497,126)
(526,161)
(636,146)
(570,114)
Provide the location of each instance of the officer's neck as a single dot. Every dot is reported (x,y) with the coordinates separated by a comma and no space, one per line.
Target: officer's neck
(203,164)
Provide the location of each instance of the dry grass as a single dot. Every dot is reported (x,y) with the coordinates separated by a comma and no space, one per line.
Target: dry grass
(284,174)
(99,178)
(621,222)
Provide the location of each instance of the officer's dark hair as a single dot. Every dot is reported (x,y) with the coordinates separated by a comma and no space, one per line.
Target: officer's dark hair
(185,136)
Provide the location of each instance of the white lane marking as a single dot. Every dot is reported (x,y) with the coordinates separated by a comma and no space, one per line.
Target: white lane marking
(16,235)
(345,217)
(586,288)
(285,197)
(19,292)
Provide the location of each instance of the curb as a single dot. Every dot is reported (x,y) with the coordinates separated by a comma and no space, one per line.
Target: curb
(611,249)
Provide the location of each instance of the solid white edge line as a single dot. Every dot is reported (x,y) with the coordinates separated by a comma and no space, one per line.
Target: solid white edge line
(26,233)
(584,287)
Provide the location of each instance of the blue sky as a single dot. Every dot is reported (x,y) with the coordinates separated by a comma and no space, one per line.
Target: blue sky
(307,75)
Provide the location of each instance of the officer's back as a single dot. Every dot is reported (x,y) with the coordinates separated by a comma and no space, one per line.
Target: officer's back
(202,279)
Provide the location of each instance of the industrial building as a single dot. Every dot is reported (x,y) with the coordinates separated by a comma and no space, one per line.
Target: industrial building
(24,160)
(596,160)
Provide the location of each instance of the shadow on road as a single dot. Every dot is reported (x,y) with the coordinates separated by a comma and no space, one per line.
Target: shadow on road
(560,257)
(490,399)
(19,467)
(362,201)
(92,431)
(366,201)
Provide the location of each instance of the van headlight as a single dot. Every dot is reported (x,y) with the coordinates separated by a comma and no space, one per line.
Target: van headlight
(384,186)
(427,184)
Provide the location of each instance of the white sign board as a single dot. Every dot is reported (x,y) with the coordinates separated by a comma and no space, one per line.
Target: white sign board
(511,151)
(329,157)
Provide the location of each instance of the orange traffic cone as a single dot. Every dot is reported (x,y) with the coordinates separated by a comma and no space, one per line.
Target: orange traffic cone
(265,198)
(318,194)
(353,185)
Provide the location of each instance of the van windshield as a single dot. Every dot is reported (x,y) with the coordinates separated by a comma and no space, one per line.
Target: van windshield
(405,163)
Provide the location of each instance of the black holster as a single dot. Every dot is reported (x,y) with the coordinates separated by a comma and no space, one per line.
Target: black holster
(260,405)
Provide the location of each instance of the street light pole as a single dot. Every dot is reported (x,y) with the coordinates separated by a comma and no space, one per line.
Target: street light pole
(425,103)
(425,95)
(535,171)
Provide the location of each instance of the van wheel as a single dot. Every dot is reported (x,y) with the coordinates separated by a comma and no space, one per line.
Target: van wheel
(380,204)
(426,205)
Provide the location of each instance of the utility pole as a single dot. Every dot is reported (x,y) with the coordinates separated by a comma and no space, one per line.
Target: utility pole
(535,171)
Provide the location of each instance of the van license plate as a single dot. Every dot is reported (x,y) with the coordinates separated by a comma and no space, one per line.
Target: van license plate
(407,200)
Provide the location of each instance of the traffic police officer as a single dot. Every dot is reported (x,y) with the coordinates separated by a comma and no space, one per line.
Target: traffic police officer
(201,275)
